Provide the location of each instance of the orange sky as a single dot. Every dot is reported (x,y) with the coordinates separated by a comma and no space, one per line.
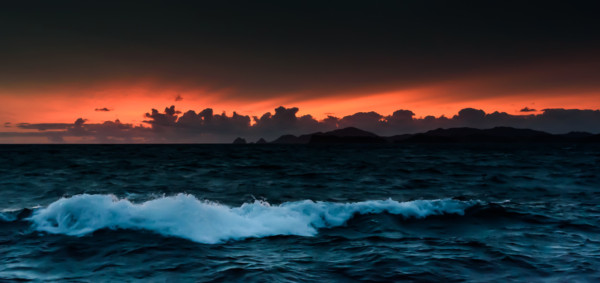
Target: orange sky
(129,102)
(538,85)
(60,61)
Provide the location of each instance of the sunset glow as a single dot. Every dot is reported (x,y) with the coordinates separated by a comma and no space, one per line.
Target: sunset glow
(129,103)
(76,63)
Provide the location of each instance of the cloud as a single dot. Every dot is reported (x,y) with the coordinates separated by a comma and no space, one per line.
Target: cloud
(106,132)
(527,109)
(102,109)
(173,126)
(162,119)
(286,120)
(43,126)
(7,125)
(193,126)
(178,97)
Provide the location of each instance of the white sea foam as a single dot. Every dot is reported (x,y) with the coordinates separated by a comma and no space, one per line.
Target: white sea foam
(207,222)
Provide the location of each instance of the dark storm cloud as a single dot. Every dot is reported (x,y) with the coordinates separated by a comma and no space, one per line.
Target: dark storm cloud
(527,109)
(166,119)
(106,132)
(171,125)
(102,109)
(43,126)
(267,49)
(285,120)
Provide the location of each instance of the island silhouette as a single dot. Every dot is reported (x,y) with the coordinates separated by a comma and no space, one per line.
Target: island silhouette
(353,135)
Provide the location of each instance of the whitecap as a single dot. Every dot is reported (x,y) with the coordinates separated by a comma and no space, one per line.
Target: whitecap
(203,221)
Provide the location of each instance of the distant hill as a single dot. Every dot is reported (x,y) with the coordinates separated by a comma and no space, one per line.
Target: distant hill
(345,135)
(291,139)
(239,141)
(452,135)
(498,134)
(348,132)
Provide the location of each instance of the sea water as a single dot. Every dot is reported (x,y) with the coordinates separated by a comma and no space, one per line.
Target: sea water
(289,213)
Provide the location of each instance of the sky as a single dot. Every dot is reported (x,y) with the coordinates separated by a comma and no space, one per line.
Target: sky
(101,61)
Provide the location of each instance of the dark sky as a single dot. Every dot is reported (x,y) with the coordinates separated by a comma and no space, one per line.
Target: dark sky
(264,49)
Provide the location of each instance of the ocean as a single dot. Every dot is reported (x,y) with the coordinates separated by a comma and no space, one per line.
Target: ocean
(478,212)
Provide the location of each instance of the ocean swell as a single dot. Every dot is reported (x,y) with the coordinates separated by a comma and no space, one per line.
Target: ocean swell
(208,222)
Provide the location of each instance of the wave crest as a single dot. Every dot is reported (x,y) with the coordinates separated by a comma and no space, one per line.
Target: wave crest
(208,222)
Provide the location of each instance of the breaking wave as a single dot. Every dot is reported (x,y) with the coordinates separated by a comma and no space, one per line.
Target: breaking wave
(208,222)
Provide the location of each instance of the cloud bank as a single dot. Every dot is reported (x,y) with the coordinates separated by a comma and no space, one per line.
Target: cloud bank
(174,126)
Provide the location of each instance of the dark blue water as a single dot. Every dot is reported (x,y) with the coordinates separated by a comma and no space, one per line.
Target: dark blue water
(266,213)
